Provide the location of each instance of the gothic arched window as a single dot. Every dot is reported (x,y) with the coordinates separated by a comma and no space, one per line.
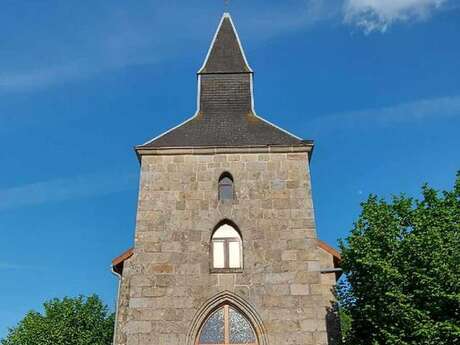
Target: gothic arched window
(226,191)
(226,247)
(226,326)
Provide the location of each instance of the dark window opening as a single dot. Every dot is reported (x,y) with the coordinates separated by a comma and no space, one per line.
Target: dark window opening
(226,190)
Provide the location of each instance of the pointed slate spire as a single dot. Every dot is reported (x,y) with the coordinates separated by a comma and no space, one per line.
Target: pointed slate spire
(226,54)
(225,79)
(225,115)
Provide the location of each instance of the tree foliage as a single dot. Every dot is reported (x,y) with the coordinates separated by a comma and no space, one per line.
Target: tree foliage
(70,321)
(402,263)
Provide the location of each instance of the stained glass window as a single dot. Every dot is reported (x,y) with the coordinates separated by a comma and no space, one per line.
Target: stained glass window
(227,326)
(226,248)
(240,329)
(213,329)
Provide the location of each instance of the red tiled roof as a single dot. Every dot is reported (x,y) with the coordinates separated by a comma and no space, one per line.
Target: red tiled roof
(330,250)
(126,255)
(117,263)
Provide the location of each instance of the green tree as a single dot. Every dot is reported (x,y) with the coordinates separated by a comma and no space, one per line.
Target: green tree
(70,321)
(402,264)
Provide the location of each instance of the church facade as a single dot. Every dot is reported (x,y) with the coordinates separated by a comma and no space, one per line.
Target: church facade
(226,250)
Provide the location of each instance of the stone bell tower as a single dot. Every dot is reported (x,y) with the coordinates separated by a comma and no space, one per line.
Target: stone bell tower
(225,249)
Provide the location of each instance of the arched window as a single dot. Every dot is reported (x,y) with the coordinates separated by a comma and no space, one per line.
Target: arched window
(226,191)
(226,326)
(226,248)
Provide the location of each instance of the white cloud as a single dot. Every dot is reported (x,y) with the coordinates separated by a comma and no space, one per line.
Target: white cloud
(119,35)
(13,266)
(39,78)
(378,15)
(62,189)
(412,112)
(124,35)
(420,110)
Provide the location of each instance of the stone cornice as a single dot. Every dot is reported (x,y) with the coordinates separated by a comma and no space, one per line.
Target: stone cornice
(142,151)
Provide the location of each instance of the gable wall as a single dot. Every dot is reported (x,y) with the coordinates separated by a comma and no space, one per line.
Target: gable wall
(167,280)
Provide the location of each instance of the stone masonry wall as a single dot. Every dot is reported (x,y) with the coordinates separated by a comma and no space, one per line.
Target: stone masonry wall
(168,278)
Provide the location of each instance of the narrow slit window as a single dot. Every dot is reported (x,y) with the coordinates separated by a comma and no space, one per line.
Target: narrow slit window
(226,190)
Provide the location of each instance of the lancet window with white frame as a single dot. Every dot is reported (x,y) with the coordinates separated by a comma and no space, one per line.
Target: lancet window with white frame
(226,249)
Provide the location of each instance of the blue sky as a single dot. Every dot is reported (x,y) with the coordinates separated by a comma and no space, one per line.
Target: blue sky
(374,83)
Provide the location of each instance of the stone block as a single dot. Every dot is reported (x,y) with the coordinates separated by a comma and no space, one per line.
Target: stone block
(300,289)
(316,289)
(153,292)
(161,268)
(289,255)
(312,325)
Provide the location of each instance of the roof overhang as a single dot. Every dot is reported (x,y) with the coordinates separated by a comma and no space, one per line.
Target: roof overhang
(118,262)
(337,258)
(307,147)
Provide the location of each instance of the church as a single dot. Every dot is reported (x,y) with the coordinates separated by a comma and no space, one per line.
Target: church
(225,249)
